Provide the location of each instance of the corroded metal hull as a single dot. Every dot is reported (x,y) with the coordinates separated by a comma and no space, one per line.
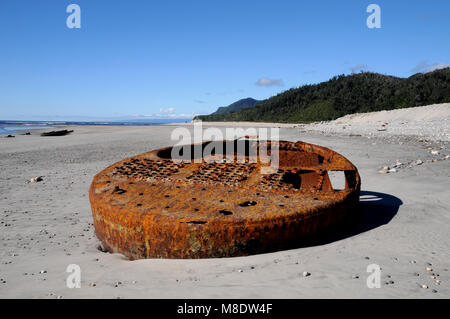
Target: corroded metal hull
(150,206)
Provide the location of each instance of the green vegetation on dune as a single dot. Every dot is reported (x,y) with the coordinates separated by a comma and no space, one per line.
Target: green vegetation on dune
(236,106)
(341,95)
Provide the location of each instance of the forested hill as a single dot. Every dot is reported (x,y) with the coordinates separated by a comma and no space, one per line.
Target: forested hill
(236,106)
(341,95)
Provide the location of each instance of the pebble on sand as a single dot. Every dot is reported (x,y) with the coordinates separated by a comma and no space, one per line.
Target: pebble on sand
(424,286)
(36,179)
(306,274)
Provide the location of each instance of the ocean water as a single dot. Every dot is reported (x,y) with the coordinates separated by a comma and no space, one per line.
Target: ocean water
(12,127)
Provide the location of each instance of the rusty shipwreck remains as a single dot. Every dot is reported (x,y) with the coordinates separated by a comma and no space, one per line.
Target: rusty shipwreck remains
(150,206)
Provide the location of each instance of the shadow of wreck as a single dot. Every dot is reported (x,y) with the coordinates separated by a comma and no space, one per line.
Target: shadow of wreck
(375,209)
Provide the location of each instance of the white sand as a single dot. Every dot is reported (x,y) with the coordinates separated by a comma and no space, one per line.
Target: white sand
(428,112)
(48,225)
(428,122)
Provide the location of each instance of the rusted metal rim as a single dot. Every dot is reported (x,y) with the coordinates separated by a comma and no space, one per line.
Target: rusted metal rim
(151,206)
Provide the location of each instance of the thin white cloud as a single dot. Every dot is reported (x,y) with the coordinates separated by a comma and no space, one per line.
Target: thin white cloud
(357,68)
(420,67)
(424,67)
(167,113)
(263,81)
(437,66)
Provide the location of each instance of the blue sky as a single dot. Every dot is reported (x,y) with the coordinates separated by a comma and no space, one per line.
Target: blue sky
(175,58)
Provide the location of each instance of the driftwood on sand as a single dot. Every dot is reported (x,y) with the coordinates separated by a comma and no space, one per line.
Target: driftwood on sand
(57,133)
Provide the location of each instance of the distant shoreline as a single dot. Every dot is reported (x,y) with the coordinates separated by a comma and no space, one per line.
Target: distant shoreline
(16,127)
(430,122)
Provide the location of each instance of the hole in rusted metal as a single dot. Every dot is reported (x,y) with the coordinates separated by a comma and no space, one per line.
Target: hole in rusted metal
(337,179)
(118,190)
(225,212)
(196,222)
(248,203)
(292,179)
(241,148)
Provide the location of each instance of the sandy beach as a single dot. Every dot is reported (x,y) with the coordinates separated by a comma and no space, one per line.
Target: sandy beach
(403,226)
